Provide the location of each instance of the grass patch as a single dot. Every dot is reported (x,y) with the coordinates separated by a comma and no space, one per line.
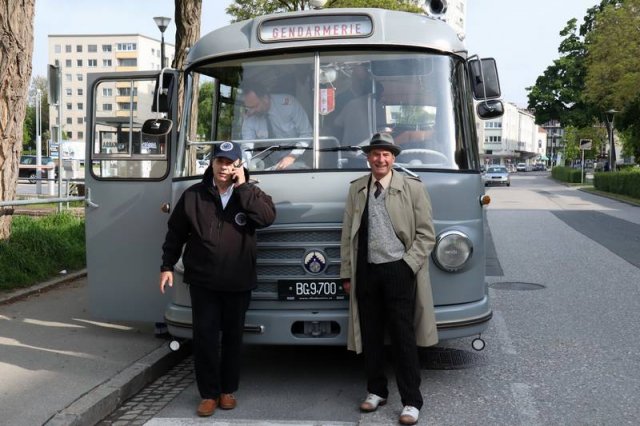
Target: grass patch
(39,248)
(613,196)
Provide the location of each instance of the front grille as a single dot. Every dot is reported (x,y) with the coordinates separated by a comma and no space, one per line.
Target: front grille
(281,251)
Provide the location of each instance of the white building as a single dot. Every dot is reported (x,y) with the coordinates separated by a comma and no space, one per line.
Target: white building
(512,138)
(80,54)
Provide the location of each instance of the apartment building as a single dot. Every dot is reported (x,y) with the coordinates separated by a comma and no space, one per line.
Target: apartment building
(511,139)
(80,54)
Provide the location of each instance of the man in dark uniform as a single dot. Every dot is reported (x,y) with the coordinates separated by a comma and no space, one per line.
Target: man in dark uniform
(217,220)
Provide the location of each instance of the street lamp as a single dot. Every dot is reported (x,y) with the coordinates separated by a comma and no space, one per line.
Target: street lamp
(162,22)
(612,147)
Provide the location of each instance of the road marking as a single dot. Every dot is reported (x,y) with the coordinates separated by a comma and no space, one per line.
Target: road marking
(503,334)
(525,404)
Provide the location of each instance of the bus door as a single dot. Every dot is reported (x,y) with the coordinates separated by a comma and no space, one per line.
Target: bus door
(128,178)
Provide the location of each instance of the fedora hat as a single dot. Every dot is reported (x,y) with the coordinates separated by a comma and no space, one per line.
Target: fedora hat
(382,141)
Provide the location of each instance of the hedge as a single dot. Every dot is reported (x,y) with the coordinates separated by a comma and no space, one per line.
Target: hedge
(625,182)
(566,174)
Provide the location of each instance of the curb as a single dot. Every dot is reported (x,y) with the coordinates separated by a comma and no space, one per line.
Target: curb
(22,293)
(102,400)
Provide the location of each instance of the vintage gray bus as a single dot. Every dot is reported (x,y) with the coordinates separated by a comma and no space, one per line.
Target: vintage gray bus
(346,74)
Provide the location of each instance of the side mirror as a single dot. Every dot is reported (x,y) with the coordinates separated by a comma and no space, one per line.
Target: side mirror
(163,98)
(490,109)
(483,74)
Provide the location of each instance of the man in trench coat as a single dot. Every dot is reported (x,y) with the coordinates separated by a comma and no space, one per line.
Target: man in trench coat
(387,237)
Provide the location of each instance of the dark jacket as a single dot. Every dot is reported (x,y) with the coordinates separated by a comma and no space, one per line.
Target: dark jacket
(220,251)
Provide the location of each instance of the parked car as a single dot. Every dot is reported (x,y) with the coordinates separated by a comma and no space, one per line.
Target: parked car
(539,167)
(521,167)
(496,175)
(28,167)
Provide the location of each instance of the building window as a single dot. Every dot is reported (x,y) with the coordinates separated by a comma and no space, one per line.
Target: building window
(80,77)
(67,48)
(68,77)
(126,91)
(57,63)
(57,48)
(127,106)
(67,63)
(92,63)
(69,120)
(69,106)
(106,62)
(80,120)
(92,48)
(128,62)
(69,92)
(126,46)
(79,48)
(107,107)
(107,91)
(80,106)
(79,62)
(69,135)
(80,92)
(80,135)
(106,48)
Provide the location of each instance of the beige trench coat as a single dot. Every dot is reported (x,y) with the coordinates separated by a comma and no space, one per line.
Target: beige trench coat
(409,207)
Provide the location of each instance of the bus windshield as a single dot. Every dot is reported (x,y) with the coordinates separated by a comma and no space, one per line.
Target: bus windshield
(320,108)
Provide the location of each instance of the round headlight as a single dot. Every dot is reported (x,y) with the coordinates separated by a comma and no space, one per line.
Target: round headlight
(453,250)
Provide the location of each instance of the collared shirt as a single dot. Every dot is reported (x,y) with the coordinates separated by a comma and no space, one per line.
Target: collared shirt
(385,182)
(286,119)
(224,196)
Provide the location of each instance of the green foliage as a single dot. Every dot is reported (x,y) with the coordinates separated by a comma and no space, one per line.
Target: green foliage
(572,136)
(247,9)
(39,248)
(625,182)
(566,174)
(205,108)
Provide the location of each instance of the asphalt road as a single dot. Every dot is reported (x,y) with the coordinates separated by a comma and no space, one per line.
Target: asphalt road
(562,348)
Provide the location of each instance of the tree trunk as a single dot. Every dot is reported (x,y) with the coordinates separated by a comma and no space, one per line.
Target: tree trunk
(16,49)
(188,14)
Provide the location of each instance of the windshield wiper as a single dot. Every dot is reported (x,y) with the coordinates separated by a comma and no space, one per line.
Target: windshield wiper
(404,169)
(342,148)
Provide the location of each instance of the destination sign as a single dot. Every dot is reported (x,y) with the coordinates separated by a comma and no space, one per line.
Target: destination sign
(317,27)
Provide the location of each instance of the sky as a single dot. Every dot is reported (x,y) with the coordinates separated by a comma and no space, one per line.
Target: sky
(523,36)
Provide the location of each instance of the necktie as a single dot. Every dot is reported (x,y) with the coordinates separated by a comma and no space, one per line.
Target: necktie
(378,189)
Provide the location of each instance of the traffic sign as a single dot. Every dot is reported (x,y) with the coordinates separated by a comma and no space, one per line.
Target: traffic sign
(585,144)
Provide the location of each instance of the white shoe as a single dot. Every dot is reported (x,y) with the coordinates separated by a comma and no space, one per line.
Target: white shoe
(409,415)
(371,403)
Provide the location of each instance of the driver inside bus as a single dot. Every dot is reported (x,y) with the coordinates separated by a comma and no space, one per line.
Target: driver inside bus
(275,116)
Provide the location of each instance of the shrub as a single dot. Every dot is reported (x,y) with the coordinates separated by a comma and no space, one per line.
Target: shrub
(566,174)
(626,182)
(39,247)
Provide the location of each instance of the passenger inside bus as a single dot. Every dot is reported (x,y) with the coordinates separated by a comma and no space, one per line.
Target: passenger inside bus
(275,116)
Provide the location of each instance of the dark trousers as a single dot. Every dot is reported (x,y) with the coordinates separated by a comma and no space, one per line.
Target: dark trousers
(386,298)
(218,324)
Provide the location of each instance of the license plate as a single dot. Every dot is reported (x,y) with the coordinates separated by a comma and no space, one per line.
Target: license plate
(311,290)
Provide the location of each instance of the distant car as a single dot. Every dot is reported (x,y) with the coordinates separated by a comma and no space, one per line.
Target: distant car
(539,167)
(28,167)
(496,175)
(521,167)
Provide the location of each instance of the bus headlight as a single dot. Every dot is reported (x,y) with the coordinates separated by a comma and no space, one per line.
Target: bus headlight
(452,251)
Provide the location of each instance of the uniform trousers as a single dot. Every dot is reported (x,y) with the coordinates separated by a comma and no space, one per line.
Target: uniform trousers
(386,299)
(218,325)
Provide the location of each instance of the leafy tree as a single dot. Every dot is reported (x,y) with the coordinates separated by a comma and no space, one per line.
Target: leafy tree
(572,136)
(247,9)
(558,92)
(16,50)
(205,108)
(613,68)
(29,136)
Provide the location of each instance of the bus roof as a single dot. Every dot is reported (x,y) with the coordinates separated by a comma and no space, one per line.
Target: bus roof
(353,27)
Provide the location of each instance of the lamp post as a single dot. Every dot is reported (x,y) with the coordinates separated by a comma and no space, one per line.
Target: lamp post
(38,140)
(162,22)
(612,146)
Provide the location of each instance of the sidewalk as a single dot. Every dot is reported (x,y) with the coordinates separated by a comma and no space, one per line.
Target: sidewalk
(60,366)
